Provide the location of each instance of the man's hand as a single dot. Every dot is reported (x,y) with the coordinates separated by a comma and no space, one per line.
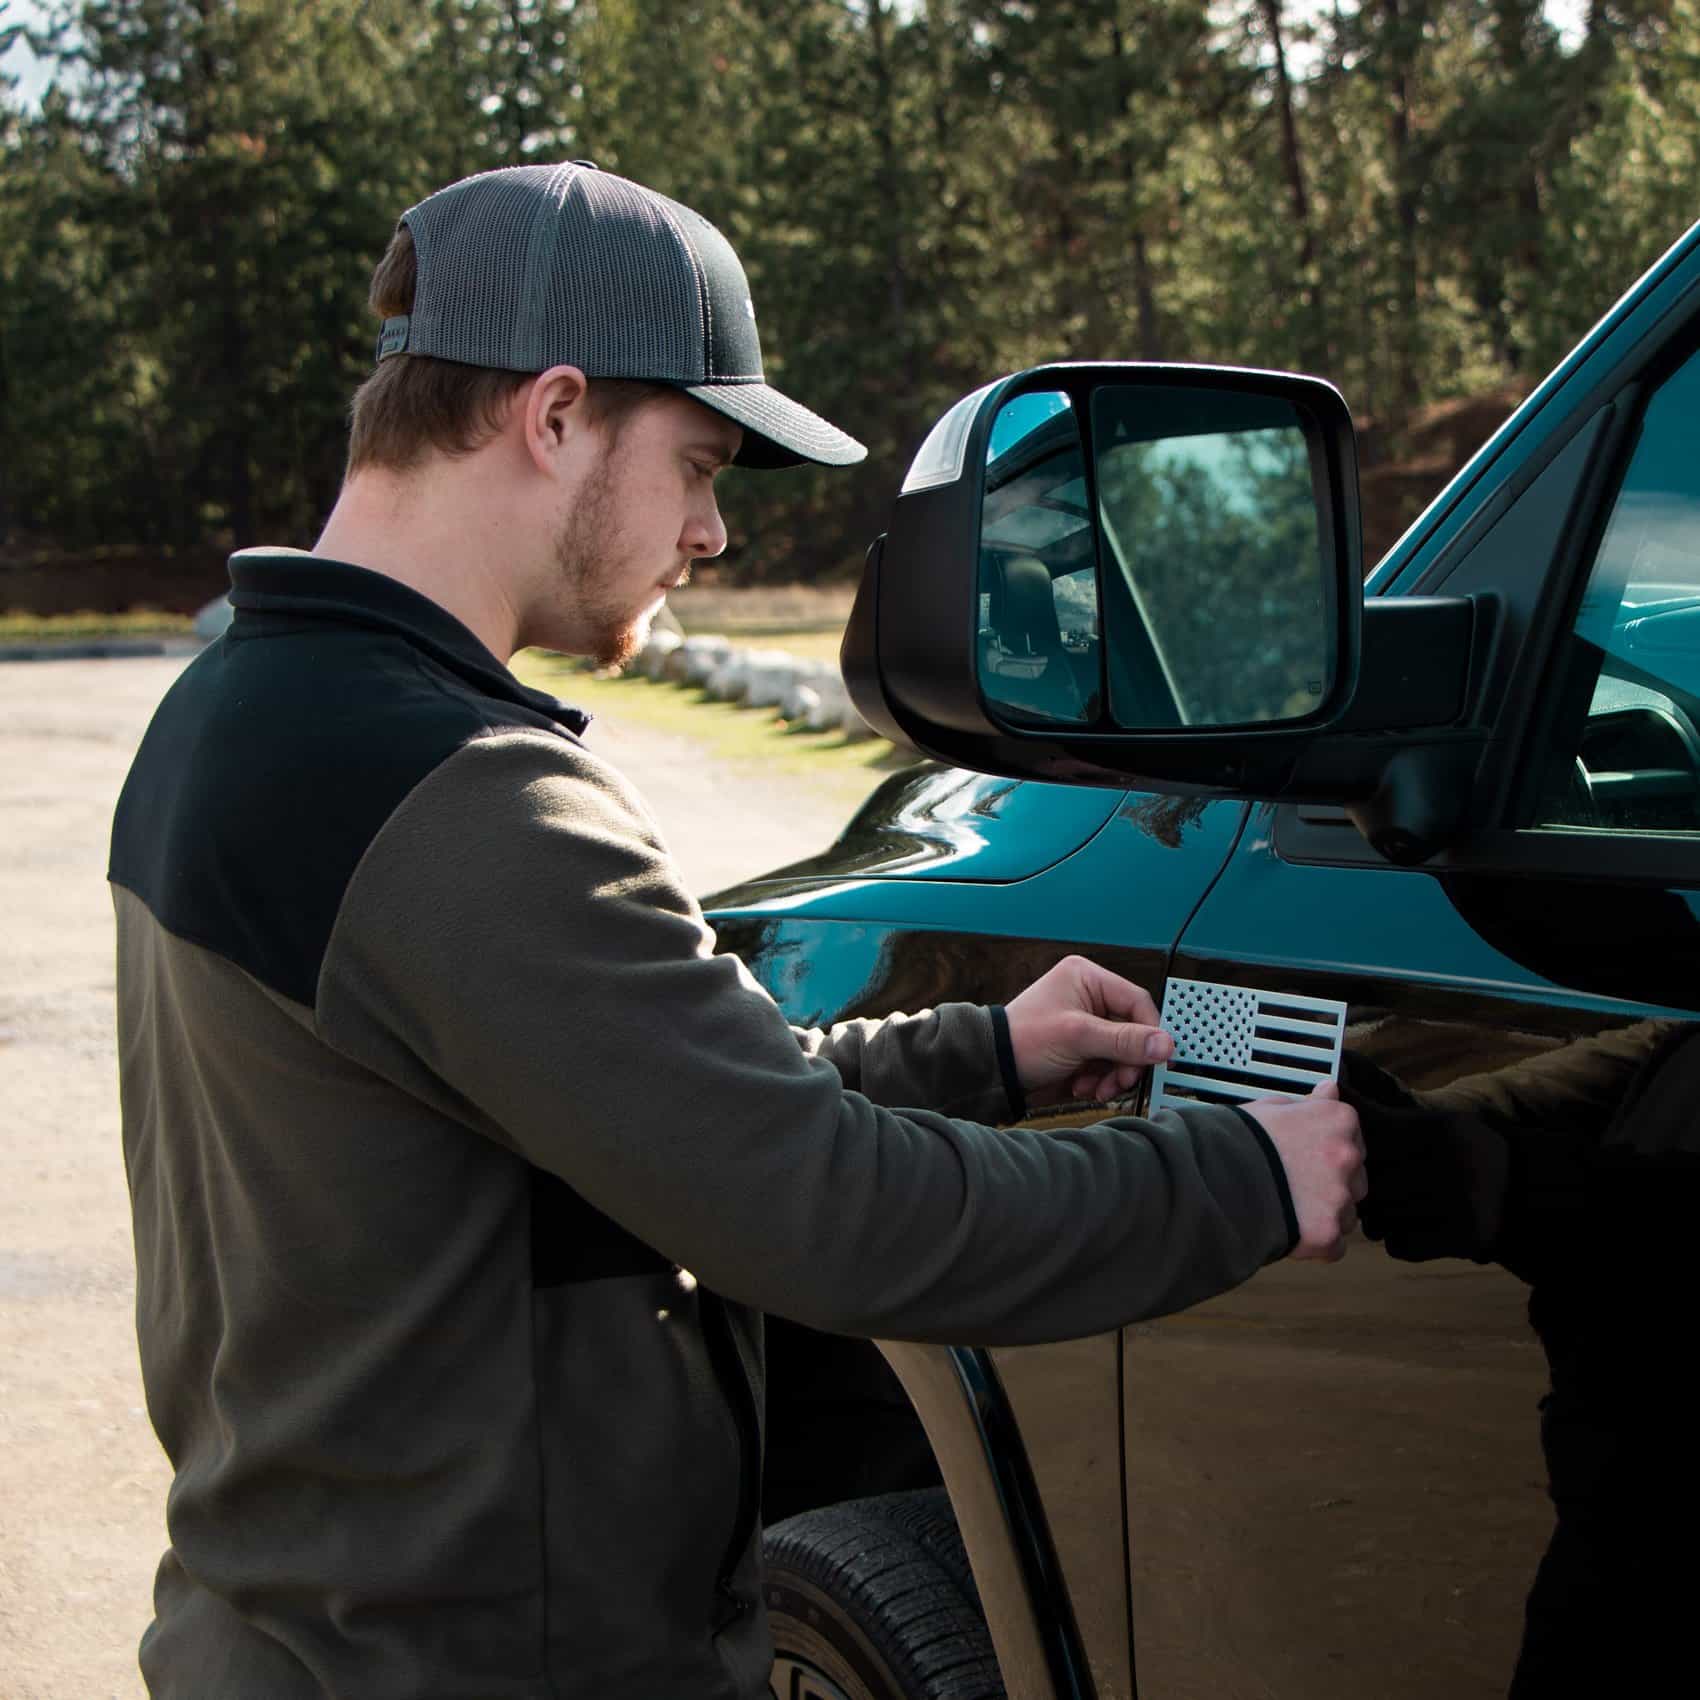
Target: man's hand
(1080,1031)
(1440,1175)
(1323,1153)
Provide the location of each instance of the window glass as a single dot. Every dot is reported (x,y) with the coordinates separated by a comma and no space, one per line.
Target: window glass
(1626,752)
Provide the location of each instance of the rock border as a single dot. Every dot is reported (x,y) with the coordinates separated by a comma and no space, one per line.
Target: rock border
(809,695)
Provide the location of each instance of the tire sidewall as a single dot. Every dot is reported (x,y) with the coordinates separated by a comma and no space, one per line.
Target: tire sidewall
(808,1624)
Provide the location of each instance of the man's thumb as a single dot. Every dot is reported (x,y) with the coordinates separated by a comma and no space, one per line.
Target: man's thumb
(1326,1089)
(1130,1041)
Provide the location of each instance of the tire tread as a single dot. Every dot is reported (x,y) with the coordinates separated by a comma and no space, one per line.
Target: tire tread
(895,1565)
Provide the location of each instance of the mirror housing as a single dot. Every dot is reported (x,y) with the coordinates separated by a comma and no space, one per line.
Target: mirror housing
(1392,736)
(912,652)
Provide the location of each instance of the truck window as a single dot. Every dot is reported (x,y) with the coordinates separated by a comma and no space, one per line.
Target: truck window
(1631,761)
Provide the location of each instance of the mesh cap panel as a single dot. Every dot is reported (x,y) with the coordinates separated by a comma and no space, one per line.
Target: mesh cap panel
(564,265)
(541,266)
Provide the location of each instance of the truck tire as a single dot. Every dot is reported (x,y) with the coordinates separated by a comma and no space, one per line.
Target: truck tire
(873,1600)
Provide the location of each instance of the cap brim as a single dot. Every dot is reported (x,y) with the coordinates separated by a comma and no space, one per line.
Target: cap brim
(778,432)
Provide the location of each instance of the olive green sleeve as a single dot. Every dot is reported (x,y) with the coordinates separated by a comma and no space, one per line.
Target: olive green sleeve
(952,1059)
(1575,1088)
(516,944)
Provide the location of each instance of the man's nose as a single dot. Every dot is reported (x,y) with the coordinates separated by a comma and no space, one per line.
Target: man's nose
(705,533)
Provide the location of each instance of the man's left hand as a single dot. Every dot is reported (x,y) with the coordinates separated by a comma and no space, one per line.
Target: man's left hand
(1080,1031)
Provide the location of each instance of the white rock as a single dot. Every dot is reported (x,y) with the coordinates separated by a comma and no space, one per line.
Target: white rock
(853,726)
(834,703)
(211,621)
(772,673)
(653,656)
(799,703)
(697,657)
(836,709)
(728,680)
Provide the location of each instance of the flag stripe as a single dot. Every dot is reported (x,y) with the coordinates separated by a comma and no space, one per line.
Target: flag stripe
(1287,1024)
(1281,1048)
(1226,1088)
(1290,1001)
(1263,1071)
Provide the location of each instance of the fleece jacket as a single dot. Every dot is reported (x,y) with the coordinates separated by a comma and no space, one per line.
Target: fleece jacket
(463,1170)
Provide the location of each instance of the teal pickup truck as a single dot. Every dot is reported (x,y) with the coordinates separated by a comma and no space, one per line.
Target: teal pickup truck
(1123,609)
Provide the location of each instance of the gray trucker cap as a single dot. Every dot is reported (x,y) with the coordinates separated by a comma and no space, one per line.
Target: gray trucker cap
(565,265)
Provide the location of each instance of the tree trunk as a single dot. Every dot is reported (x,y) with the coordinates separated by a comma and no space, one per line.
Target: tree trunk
(890,184)
(1145,300)
(513,108)
(5,442)
(235,381)
(1312,335)
(1144,282)
(1402,32)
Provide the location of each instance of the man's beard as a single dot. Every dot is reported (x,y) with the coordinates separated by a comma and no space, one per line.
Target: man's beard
(589,539)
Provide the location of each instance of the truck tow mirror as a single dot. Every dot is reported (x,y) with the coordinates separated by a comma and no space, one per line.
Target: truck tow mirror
(1117,573)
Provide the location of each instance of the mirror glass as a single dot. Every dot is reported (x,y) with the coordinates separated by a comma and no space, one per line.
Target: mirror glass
(1038,626)
(1213,574)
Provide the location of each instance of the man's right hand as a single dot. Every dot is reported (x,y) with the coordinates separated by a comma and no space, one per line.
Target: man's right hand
(1323,1153)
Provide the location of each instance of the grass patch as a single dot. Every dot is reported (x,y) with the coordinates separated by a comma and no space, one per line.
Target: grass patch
(754,738)
(807,643)
(137,623)
(718,608)
(807,620)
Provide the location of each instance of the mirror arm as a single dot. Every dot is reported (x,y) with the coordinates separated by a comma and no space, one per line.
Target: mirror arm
(1421,802)
(1416,661)
(1403,759)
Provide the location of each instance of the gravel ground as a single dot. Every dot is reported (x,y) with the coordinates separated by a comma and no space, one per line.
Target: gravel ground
(82,1480)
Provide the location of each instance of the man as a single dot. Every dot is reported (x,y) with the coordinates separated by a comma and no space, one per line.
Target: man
(1579,1171)
(462,1168)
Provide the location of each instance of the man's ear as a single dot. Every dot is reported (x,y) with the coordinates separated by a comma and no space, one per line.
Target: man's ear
(556,414)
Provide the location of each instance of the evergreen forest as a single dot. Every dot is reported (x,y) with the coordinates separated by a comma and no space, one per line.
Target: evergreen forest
(1423,200)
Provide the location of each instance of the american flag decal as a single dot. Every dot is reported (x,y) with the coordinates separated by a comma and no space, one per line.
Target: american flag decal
(1234,1043)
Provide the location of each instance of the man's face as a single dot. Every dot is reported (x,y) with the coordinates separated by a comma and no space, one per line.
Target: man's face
(645,511)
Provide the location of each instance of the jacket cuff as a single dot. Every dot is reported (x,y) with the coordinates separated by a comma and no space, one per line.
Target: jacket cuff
(1278,1169)
(1013,1089)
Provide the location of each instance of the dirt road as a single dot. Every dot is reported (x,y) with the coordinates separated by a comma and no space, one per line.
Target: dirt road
(82,1480)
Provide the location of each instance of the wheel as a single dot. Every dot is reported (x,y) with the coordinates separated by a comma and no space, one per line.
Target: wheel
(874,1600)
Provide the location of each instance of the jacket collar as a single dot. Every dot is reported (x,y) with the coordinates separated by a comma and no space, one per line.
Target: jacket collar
(272,585)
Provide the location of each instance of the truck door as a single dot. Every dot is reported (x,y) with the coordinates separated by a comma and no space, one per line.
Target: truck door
(1335,1485)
